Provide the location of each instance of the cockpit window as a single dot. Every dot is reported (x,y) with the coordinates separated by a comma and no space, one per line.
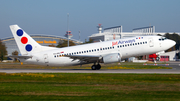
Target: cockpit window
(162,39)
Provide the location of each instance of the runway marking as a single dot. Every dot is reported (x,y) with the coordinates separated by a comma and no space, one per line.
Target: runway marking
(158,64)
(135,71)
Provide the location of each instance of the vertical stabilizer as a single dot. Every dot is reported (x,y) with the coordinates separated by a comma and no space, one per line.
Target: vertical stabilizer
(25,43)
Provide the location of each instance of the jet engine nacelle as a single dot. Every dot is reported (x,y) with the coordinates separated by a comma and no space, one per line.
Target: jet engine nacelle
(111,58)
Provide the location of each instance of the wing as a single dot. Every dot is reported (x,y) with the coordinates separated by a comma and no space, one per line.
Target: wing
(85,58)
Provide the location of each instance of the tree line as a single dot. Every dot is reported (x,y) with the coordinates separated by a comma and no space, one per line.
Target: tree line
(3,51)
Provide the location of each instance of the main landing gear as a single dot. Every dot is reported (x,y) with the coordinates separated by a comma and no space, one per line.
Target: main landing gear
(96,67)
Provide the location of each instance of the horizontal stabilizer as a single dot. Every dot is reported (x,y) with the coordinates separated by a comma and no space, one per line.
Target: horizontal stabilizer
(20,57)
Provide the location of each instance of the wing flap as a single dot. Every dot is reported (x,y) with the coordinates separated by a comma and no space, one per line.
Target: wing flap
(87,58)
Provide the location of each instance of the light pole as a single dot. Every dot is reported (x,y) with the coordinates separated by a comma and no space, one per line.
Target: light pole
(79,35)
(68,28)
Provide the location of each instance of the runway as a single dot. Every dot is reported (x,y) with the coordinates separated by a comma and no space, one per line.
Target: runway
(175,70)
(136,71)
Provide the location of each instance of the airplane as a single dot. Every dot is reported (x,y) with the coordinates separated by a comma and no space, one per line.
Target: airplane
(99,52)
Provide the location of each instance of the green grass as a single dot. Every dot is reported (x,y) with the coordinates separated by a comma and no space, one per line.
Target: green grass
(89,86)
(126,65)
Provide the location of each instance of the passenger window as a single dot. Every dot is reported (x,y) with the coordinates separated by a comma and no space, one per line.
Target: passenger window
(140,42)
(135,43)
(130,44)
(74,53)
(108,47)
(89,50)
(69,53)
(77,52)
(113,47)
(101,49)
(125,45)
(117,46)
(94,49)
(120,46)
(97,49)
(55,56)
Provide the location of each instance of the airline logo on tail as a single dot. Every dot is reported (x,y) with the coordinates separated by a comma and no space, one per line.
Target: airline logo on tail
(24,40)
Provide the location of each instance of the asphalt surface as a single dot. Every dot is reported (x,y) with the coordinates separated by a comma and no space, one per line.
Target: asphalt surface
(140,71)
(175,70)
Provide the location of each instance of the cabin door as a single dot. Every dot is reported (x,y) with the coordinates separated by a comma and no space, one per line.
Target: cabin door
(46,58)
(151,43)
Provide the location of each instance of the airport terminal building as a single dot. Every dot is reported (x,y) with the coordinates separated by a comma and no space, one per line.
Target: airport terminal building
(45,40)
(113,33)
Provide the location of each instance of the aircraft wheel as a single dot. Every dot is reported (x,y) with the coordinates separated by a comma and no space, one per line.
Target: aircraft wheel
(157,58)
(98,67)
(93,67)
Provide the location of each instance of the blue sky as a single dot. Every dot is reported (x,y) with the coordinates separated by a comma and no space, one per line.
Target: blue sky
(49,17)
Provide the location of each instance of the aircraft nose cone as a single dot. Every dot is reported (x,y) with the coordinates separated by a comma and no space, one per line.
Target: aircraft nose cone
(173,42)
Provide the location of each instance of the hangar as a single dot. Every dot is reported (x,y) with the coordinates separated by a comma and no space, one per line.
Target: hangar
(44,40)
(113,33)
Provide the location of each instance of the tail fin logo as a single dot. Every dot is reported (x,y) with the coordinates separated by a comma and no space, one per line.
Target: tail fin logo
(28,47)
(19,32)
(24,40)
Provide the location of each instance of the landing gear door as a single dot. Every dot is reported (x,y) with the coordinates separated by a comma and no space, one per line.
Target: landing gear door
(151,43)
(46,58)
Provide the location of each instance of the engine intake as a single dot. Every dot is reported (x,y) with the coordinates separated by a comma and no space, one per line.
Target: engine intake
(111,58)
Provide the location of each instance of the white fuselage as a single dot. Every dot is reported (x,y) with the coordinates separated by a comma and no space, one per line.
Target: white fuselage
(135,46)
